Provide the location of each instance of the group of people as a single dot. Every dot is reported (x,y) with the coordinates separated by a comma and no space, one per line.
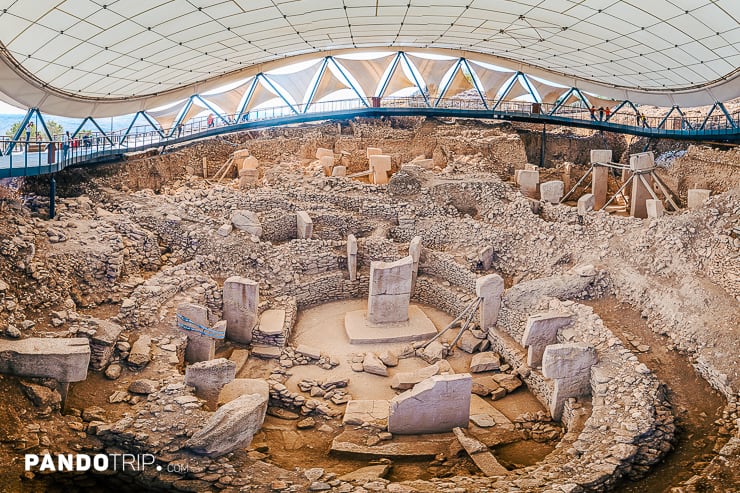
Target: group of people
(602,111)
(606,111)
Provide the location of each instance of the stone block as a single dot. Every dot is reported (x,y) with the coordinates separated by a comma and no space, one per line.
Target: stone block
(542,330)
(552,191)
(64,360)
(247,221)
(491,289)
(374,412)
(327,164)
(209,376)
(654,208)
(323,152)
(380,165)
(372,364)
(141,352)
(248,178)
(250,163)
(640,195)
(487,361)
(239,357)
(339,171)
(309,351)
(266,352)
(567,360)
(231,427)
(200,347)
(243,386)
(272,322)
(486,256)
(528,182)
(586,204)
(373,151)
(102,343)
(407,379)
(304,225)
(642,161)
(697,197)
(436,405)
(241,297)
(601,156)
(390,291)
(600,186)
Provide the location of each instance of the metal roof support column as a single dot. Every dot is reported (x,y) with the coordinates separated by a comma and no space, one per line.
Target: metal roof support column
(154,125)
(684,120)
(447,84)
(43,125)
(506,91)
(280,94)
(727,114)
(707,117)
(208,105)
(390,74)
(316,85)
(349,82)
(475,82)
(416,81)
(581,96)
(250,92)
(529,87)
(665,118)
(561,101)
(21,129)
(182,114)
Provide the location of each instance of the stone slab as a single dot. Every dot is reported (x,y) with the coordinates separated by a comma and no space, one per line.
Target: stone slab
(64,360)
(586,204)
(491,289)
(654,208)
(304,225)
(599,186)
(640,195)
(362,411)
(528,182)
(697,197)
(390,291)
(209,376)
(199,347)
(418,327)
(266,352)
(272,322)
(552,191)
(480,454)
(323,152)
(243,386)
(540,330)
(239,357)
(405,380)
(565,360)
(380,165)
(354,442)
(436,405)
(373,151)
(601,156)
(642,161)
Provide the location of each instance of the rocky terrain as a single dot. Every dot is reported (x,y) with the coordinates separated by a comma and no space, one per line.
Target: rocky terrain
(132,240)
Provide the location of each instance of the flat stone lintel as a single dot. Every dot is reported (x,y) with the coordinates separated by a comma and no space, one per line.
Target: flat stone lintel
(360,331)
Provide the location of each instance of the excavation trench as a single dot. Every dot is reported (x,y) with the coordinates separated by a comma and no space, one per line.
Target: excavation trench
(695,403)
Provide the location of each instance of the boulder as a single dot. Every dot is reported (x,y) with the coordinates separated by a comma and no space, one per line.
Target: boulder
(388,358)
(373,364)
(143,386)
(231,427)
(487,361)
(140,354)
(247,221)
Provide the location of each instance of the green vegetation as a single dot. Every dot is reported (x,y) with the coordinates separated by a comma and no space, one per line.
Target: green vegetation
(54,128)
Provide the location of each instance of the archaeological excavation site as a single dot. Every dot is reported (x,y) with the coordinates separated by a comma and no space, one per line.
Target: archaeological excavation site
(403,304)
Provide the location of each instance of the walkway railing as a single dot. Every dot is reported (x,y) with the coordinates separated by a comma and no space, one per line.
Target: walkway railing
(43,157)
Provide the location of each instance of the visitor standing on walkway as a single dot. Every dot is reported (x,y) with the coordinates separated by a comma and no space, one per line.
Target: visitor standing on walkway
(592,110)
(65,145)
(601,113)
(210,120)
(29,128)
(607,112)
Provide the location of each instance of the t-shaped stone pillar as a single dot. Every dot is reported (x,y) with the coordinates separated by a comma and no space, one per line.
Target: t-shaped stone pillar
(415,252)
(380,165)
(570,366)
(490,288)
(200,347)
(542,330)
(352,257)
(241,297)
(390,291)
(304,225)
(600,176)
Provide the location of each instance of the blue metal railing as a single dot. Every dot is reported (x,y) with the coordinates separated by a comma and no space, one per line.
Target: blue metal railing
(43,157)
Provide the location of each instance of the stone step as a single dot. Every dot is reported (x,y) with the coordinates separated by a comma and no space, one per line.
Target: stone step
(266,352)
(272,322)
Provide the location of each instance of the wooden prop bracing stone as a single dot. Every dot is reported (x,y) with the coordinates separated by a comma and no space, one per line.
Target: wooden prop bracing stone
(241,297)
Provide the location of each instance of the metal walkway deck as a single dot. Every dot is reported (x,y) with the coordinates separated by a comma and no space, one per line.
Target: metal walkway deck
(106,148)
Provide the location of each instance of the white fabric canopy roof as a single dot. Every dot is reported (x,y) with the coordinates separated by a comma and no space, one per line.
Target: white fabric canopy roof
(84,57)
